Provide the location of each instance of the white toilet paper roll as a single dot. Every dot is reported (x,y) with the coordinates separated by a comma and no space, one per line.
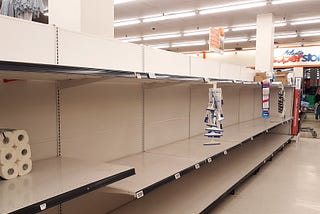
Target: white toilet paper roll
(21,137)
(6,139)
(9,171)
(23,151)
(7,155)
(24,167)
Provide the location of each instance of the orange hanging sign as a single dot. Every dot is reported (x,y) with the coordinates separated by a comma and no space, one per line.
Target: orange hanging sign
(216,40)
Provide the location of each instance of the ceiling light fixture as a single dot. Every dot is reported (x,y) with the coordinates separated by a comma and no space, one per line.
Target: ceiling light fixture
(310,33)
(196,32)
(232,7)
(244,27)
(160,46)
(235,40)
(188,44)
(283,1)
(121,1)
(285,36)
(168,16)
(126,22)
(161,36)
(305,21)
(130,39)
(280,24)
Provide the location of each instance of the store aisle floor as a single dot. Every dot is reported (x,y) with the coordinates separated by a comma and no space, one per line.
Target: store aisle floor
(310,122)
(289,184)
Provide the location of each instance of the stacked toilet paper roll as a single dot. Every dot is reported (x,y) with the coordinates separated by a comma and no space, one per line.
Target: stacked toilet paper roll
(15,153)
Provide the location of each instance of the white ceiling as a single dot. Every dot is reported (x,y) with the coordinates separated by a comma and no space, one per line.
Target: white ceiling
(142,8)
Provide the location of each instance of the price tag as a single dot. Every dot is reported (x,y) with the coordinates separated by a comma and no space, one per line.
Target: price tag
(264,161)
(225,152)
(177,176)
(209,160)
(139,194)
(206,79)
(251,138)
(43,206)
(152,75)
(267,131)
(197,166)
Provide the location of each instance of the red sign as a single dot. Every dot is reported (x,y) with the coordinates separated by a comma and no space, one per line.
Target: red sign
(296,109)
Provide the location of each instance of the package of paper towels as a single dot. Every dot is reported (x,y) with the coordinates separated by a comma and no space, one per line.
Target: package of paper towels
(9,171)
(7,156)
(15,153)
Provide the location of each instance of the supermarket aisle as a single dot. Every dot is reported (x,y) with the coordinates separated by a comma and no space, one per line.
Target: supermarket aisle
(290,184)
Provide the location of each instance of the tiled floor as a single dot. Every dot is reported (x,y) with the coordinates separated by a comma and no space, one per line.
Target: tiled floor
(290,184)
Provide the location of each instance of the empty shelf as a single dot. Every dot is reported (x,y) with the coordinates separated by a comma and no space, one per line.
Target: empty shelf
(201,189)
(164,164)
(152,170)
(54,181)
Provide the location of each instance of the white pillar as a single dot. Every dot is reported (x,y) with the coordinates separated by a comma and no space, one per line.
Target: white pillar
(265,42)
(88,16)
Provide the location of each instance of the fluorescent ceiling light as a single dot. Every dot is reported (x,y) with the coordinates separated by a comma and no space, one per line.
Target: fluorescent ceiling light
(126,22)
(160,46)
(188,44)
(161,36)
(235,40)
(232,7)
(244,27)
(285,36)
(253,26)
(121,1)
(283,1)
(168,16)
(310,33)
(306,21)
(196,32)
(130,39)
(280,24)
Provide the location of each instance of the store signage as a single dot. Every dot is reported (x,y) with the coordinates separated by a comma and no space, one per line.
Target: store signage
(216,40)
(296,56)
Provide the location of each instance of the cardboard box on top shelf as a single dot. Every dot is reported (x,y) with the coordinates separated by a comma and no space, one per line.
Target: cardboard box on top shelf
(282,77)
(260,76)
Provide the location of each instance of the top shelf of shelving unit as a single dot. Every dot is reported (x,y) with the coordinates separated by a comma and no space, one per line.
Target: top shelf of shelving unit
(161,165)
(35,71)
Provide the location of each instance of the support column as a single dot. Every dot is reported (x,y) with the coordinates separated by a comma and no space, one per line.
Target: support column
(265,42)
(88,16)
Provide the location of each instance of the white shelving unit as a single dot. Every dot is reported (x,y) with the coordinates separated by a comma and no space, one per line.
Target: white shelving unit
(56,180)
(202,189)
(161,165)
(99,110)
